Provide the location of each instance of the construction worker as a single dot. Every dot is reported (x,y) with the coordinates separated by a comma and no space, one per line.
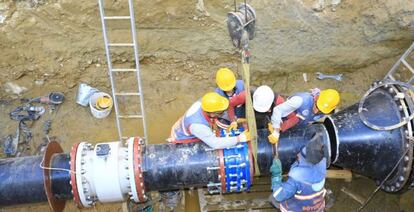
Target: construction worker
(304,189)
(201,123)
(306,106)
(264,101)
(231,88)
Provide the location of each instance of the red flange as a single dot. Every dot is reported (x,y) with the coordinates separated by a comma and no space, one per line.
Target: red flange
(138,176)
(52,148)
(222,172)
(76,197)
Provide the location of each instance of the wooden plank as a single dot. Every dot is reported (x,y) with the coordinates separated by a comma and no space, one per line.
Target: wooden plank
(339,174)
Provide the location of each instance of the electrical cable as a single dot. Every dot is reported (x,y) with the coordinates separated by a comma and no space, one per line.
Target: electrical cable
(383,181)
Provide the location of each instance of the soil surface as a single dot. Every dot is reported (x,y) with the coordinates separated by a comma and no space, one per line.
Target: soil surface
(55,45)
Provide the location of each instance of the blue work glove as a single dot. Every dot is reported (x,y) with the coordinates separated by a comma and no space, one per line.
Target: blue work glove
(276,170)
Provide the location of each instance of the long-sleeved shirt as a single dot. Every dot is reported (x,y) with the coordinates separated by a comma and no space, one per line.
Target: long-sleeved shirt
(284,110)
(206,135)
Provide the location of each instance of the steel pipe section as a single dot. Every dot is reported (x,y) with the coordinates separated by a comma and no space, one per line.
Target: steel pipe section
(29,180)
(21,181)
(374,153)
(111,172)
(290,143)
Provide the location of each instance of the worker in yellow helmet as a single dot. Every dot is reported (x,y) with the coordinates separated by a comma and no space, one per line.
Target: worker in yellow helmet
(309,107)
(200,123)
(233,90)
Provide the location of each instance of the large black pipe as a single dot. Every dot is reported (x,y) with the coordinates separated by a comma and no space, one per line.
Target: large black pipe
(60,178)
(369,152)
(289,146)
(170,166)
(21,181)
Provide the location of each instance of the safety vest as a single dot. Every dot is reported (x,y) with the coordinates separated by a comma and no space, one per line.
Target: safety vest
(238,89)
(305,111)
(310,180)
(180,132)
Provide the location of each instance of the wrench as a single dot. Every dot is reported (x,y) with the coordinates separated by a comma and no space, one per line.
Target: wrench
(321,76)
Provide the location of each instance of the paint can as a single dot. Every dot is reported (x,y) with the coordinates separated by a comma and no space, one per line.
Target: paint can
(101,104)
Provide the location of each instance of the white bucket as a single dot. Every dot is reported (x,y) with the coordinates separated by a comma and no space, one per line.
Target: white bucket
(100,114)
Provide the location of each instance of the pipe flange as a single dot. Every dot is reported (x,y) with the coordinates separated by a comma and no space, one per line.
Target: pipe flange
(222,173)
(138,176)
(402,175)
(76,198)
(406,107)
(80,187)
(52,148)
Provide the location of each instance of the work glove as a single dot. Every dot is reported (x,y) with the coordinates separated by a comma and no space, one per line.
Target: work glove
(276,171)
(244,136)
(270,127)
(233,126)
(241,120)
(274,137)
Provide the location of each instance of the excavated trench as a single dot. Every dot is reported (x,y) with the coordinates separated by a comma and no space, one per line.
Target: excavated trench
(54,45)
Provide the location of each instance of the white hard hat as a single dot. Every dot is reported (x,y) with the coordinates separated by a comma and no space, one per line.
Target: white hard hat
(263,98)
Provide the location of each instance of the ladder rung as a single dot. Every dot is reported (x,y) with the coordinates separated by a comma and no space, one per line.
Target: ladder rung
(120,44)
(408,65)
(130,116)
(411,80)
(117,17)
(127,94)
(124,70)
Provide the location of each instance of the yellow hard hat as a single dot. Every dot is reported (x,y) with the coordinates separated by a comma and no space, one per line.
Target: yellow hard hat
(213,102)
(225,79)
(103,102)
(328,100)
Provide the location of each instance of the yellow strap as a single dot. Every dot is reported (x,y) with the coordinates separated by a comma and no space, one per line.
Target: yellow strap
(251,120)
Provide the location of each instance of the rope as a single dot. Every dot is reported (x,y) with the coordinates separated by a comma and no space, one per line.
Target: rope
(251,120)
(363,99)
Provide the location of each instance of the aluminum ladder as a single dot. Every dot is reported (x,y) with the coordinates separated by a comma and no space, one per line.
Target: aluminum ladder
(136,70)
(402,62)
